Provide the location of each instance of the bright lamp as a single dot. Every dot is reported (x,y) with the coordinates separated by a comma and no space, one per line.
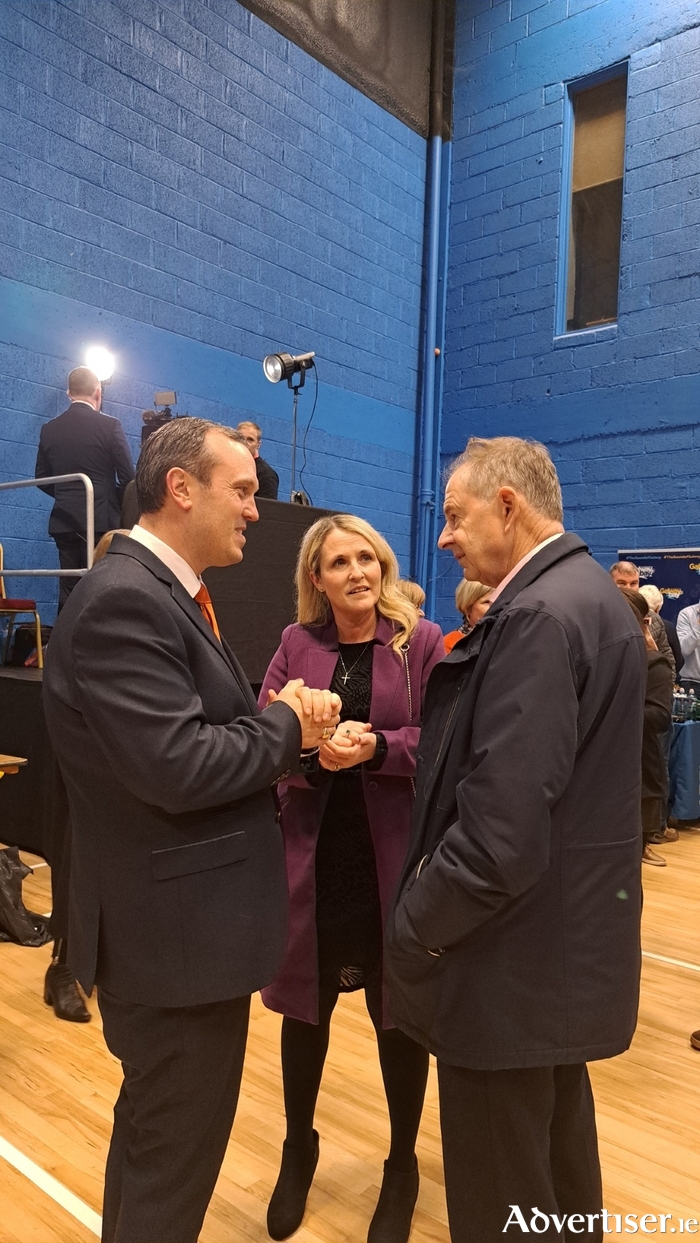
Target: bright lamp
(101,361)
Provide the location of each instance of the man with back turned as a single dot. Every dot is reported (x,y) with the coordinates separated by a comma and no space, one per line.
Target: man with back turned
(84,440)
(178,891)
(514,945)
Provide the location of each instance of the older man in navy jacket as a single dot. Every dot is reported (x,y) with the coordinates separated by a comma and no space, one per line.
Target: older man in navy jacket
(515,941)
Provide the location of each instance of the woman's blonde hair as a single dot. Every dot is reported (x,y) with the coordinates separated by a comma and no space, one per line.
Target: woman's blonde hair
(468,593)
(105,543)
(313,607)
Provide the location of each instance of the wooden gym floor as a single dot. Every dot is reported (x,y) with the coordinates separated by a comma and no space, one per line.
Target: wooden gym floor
(58,1083)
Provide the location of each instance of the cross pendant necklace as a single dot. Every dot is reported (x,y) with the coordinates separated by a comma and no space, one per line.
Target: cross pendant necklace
(346,672)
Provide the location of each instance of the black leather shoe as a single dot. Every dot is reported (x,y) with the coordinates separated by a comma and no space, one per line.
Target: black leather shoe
(61,992)
(394,1212)
(287,1205)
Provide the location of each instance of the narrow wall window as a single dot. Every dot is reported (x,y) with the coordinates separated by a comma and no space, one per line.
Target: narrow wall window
(595,215)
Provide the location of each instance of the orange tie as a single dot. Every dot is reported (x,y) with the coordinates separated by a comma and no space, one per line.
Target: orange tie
(204,601)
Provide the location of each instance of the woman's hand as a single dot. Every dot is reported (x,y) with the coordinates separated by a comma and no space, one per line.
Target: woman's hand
(352,743)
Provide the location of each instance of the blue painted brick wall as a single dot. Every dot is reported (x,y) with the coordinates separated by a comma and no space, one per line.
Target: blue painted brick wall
(179,167)
(617,406)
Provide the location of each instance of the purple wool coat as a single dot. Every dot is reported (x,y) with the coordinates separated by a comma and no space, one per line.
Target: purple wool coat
(311,653)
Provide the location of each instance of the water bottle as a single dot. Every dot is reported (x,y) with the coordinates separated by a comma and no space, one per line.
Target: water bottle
(692,705)
(682,706)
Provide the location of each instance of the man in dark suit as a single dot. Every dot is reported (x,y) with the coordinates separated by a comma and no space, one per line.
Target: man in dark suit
(268,479)
(178,891)
(85,440)
(514,945)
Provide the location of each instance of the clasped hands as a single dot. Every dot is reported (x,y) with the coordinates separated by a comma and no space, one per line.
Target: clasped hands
(318,711)
(352,743)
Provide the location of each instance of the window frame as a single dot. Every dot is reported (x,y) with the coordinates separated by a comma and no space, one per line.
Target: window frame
(571,89)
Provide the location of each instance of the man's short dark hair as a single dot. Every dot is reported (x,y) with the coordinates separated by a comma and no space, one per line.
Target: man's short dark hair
(181,443)
(82,382)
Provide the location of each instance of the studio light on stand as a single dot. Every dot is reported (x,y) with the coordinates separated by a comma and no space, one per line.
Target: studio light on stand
(293,369)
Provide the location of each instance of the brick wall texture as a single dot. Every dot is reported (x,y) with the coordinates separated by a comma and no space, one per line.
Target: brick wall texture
(180,165)
(617,406)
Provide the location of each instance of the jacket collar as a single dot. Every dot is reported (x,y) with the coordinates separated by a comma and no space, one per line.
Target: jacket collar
(122,545)
(568,545)
(559,550)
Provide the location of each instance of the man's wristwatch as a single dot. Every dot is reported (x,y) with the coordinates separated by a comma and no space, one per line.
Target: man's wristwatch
(308,760)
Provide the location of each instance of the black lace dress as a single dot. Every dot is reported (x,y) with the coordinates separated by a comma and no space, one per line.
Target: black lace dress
(348,912)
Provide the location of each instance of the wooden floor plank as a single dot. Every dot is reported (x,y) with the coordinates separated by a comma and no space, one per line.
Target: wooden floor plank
(58,1083)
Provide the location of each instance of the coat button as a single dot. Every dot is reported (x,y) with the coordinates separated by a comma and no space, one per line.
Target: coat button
(372,785)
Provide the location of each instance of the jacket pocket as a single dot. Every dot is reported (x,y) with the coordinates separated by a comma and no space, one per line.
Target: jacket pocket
(217,852)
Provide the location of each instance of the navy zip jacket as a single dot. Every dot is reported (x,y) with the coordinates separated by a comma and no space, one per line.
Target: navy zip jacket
(528,810)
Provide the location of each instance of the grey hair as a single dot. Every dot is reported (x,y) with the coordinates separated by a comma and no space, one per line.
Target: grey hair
(180,443)
(653,596)
(509,462)
(623,567)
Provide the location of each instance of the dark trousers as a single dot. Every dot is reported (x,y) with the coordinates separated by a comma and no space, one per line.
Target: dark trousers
(652,818)
(72,555)
(173,1117)
(518,1137)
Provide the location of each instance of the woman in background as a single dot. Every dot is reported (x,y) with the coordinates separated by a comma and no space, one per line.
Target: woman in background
(658,705)
(413,592)
(473,600)
(346,833)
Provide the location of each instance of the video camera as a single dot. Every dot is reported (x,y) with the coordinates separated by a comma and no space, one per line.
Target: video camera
(153,419)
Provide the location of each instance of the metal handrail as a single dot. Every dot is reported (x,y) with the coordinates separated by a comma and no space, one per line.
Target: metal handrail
(89,524)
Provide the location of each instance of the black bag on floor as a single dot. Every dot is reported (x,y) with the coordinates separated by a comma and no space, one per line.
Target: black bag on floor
(16,922)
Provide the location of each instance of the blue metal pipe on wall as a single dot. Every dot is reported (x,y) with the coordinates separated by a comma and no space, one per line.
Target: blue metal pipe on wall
(438,175)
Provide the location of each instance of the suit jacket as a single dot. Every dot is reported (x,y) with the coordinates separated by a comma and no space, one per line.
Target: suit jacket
(311,652)
(528,808)
(674,644)
(658,705)
(82,439)
(178,891)
(130,507)
(268,481)
(659,634)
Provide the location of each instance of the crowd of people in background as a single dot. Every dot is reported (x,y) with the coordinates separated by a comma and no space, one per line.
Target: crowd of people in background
(434,795)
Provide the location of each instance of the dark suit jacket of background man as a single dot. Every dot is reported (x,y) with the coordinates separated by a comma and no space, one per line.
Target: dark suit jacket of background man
(85,440)
(268,480)
(178,890)
(528,801)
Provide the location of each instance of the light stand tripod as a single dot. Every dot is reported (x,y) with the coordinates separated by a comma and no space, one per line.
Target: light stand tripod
(295,382)
(293,369)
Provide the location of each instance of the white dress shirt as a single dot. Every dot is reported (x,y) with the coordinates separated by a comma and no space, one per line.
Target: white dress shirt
(169,557)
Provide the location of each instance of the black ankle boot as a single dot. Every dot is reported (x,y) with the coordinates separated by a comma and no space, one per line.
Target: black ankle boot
(394,1212)
(288,1202)
(61,992)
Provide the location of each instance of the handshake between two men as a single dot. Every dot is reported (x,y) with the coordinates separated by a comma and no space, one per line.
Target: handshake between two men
(340,746)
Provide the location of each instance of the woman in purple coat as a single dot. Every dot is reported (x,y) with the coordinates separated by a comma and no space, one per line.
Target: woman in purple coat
(346,829)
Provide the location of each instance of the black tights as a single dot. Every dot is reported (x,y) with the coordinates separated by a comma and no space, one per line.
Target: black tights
(404,1067)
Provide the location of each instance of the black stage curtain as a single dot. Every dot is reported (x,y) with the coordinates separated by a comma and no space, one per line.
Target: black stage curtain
(26,798)
(382,47)
(254,600)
